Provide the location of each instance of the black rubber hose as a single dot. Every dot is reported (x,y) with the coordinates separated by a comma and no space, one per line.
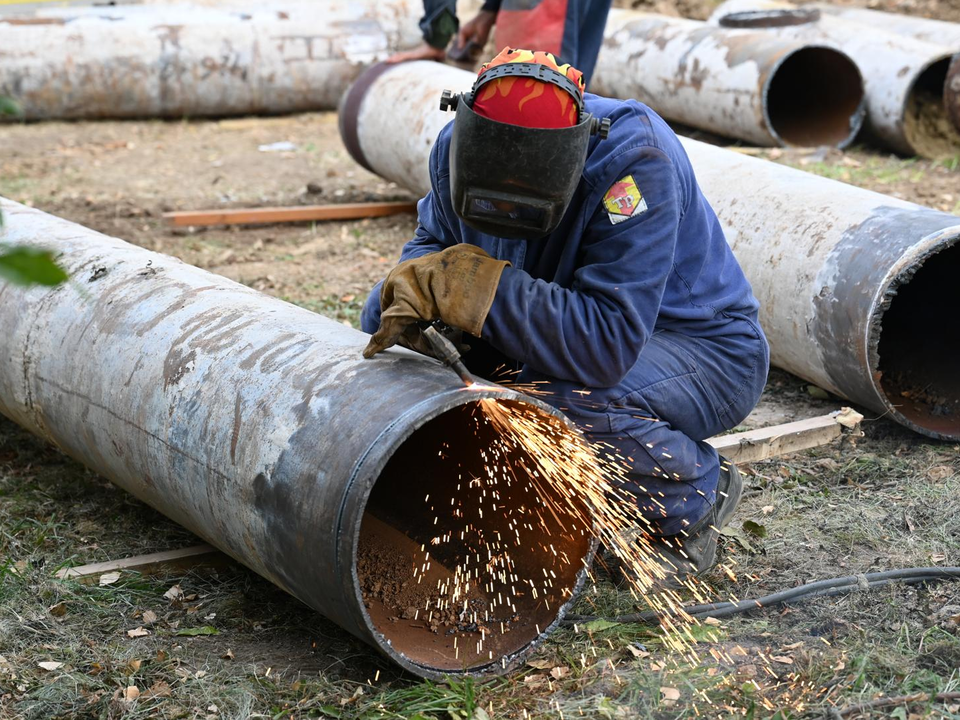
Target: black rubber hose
(820,588)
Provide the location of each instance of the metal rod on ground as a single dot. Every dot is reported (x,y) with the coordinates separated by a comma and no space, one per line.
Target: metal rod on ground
(904,77)
(299,213)
(741,84)
(856,288)
(176,60)
(259,426)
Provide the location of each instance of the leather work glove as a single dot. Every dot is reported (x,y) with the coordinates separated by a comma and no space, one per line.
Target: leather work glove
(456,285)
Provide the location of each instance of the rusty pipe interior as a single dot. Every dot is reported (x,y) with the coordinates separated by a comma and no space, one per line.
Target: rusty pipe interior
(918,343)
(802,109)
(463,559)
(927,121)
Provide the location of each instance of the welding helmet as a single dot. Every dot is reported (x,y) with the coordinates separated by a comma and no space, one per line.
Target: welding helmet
(519,144)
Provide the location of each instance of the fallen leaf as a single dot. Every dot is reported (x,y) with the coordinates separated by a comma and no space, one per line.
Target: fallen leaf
(174,593)
(817,392)
(131,693)
(938,557)
(348,298)
(109,578)
(149,617)
(638,651)
(228,655)
(540,664)
(849,418)
(213,709)
(204,630)
(134,665)
(137,632)
(940,472)
(712,621)
(58,610)
(558,672)
(793,646)
(782,659)
(50,665)
(161,655)
(157,690)
(200,674)
(766,509)
(755,528)
(598,625)
(670,693)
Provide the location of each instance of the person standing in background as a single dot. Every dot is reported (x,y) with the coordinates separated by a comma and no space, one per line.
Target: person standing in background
(572,30)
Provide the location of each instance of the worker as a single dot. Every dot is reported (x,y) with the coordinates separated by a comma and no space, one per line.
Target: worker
(566,235)
(569,29)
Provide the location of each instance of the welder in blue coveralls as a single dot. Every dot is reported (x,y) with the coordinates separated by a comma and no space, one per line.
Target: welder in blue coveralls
(571,30)
(567,235)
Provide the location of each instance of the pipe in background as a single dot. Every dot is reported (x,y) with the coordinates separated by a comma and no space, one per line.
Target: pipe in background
(905,78)
(856,288)
(748,85)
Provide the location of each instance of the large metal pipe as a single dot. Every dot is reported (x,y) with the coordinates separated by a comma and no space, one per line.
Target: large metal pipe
(937,32)
(748,85)
(180,59)
(258,426)
(904,77)
(854,286)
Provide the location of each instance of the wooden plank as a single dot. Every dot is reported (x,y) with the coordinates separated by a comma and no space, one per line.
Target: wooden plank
(170,559)
(299,213)
(763,443)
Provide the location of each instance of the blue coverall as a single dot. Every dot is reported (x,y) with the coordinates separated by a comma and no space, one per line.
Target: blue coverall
(643,331)
(583,25)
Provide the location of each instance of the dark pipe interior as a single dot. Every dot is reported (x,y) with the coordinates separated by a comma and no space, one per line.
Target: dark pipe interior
(813,98)
(439,485)
(920,345)
(927,125)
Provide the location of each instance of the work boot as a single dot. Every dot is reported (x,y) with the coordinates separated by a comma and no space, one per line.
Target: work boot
(694,550)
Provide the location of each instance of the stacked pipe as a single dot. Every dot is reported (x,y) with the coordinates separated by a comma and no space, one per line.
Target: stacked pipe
(258,426)
(937,32)
(748,85)
(180,59)
(853,285)
(905,78)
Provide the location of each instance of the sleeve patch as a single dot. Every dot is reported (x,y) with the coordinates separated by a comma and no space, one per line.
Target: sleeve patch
(624,200)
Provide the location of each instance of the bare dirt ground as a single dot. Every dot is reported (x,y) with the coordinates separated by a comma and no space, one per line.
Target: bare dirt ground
(232,645)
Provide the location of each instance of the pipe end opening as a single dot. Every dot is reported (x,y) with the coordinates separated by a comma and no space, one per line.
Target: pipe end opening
(927,123)
(466,556)
(816,97)
(919,345)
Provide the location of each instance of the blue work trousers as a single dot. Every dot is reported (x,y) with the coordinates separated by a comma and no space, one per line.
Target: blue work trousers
(682,390)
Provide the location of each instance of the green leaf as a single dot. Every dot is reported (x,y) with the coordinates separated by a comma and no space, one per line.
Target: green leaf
(755,528)
(598,625)
(204,630)
(28,266)
(817,392)
(9,106)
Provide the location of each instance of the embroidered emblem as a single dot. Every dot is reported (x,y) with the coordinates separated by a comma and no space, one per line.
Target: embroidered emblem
(624,200)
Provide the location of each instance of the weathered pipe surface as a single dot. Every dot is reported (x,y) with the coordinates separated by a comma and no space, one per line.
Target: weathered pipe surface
(258,426)
(742,84)
(904,78)
(180,59)
(857,289)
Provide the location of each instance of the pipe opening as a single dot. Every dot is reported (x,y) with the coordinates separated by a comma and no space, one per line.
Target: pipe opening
(461,563)
(920,343)
(815,97)
(927,126)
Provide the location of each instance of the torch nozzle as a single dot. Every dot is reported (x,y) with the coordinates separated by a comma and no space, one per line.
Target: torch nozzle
(447,353)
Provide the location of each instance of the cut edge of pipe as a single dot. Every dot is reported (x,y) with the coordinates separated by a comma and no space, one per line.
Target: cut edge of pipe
(840,136)
(772,18)
(896,401)
(367,472)
(348,112)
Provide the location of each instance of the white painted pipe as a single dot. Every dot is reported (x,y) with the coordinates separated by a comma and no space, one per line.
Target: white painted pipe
(904,77)
(186,60)
(856,289)
(742,84)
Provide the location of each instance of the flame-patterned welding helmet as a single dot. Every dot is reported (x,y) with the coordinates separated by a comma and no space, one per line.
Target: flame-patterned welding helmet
(519,144)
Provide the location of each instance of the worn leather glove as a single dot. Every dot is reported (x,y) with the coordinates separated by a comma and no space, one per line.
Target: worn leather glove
(456,285)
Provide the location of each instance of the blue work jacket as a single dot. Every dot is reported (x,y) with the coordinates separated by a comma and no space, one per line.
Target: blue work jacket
(581,303)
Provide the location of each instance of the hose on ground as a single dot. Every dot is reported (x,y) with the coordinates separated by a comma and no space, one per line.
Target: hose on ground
(820,588)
